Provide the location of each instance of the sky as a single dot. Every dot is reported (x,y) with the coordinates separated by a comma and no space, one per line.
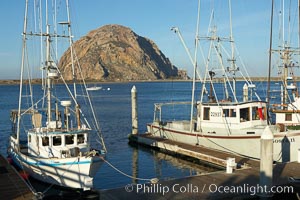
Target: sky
(152,19)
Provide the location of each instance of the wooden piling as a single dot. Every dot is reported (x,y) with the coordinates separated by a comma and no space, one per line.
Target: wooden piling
(266,163)
(134,115)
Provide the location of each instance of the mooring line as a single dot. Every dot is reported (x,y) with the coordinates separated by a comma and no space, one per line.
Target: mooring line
(152,180)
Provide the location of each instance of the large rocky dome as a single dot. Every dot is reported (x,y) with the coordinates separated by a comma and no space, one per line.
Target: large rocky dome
(116,53)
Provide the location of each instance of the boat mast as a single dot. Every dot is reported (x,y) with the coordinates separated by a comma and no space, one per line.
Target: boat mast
(285,57)
(232,60)
(21,74)
(195,67)
(48,65)
(270,62)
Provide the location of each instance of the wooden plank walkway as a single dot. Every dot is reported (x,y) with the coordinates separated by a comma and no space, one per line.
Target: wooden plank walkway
(12,186)
(209,186)
(198,152)
(242,184)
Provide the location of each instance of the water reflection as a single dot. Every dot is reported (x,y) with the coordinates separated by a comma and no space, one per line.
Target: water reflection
(135,160)
(165,164)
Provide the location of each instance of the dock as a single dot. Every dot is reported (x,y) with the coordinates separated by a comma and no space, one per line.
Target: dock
(183,150)
(242,177)
(243,183)
(12,185)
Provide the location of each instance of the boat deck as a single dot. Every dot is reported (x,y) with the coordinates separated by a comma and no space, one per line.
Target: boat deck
(243,182)
(12,186)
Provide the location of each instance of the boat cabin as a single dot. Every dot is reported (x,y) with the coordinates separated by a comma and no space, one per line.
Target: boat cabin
(231,115)
(288,114)
(57,144)
(56,139)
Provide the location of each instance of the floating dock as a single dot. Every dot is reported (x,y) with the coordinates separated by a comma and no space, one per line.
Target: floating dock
(243,183)
(244,178)
(12,185)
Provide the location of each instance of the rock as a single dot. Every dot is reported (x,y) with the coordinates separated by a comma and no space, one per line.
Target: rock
(116,53)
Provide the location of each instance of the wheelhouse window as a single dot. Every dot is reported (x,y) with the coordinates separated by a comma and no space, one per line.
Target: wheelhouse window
(255,113)
(69,139)
(206,113)
(244,114)
(229,113)
(80,138)
(56,140)
(29,138)
(45,141)
(288,117)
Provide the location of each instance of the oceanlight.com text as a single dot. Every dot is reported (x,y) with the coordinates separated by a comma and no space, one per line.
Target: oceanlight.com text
(205,188)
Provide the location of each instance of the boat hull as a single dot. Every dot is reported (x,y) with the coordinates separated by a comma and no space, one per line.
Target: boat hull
(285,144)
(75,172)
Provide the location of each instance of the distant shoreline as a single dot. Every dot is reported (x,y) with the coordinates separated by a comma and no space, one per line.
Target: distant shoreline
(38,81)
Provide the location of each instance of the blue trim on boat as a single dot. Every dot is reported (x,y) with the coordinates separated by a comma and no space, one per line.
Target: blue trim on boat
(60,132)
(39,163)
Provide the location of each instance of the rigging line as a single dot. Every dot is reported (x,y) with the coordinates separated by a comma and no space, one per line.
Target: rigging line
(152,180)
(243,65)
(206,62)
(224,71)
(224,119)
(71,48)
(32,189)
(54,7)
(90,102)
(232,87)
(195,68)
(41,48)
(21,75)
(229,150)
(29,74)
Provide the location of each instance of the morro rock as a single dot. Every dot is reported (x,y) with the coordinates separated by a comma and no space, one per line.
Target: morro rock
(116,53)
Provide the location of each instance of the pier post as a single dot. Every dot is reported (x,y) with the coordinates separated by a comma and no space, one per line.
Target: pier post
(230,165)
(245,92)
(266,163)
(134,115)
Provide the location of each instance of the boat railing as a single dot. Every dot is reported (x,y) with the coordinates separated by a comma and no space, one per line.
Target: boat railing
(171,111)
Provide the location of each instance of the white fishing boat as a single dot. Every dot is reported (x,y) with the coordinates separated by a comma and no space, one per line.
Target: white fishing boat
(53,130)
(287,55)
(94,88)
(225,117)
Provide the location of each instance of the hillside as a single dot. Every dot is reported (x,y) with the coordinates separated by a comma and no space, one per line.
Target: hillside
(116,53)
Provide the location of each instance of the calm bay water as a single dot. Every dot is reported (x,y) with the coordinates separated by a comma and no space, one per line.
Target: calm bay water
(113,107)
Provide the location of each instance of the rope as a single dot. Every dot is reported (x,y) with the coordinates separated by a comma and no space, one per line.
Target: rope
(38,195)
(152,180)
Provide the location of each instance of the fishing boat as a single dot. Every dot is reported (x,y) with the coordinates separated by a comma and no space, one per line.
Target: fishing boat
(94,88)
(287,55)
(226,117)
(53,130)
